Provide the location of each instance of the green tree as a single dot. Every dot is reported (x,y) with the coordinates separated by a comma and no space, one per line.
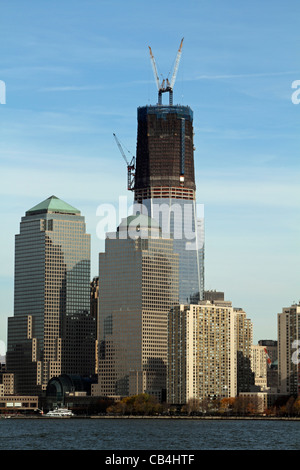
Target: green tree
(142,404)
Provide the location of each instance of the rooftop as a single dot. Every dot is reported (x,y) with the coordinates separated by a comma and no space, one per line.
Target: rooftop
(53,204)
(138,221)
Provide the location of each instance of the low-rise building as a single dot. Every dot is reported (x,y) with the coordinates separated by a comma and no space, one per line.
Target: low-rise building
(18,404)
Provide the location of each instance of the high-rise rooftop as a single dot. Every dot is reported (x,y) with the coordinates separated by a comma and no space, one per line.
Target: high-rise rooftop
(138,284)
(54,205)
(51,295)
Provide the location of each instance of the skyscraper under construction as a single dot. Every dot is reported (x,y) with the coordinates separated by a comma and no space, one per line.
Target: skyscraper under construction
(164,182)
(155,259)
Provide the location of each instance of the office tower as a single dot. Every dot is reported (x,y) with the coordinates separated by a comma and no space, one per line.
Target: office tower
(259,366)
(94,313)
(202,352)
(288,350)
(271,353)
(94,296)
(213,295)
(264,365)
(6,381)
(138,284)
(164,188)
(51,321)
(78,346)
(244,341)
(270,348)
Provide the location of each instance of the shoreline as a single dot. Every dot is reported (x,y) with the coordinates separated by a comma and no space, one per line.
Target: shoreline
(193,418)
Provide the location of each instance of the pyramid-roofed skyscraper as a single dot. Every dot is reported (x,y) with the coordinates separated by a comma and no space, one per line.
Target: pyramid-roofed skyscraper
(51,298)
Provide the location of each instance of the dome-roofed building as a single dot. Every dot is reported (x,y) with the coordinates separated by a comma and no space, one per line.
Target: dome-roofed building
(58,387)
(139,225)
(74,392)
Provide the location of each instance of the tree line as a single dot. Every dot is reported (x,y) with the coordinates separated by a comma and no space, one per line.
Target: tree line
(147,405)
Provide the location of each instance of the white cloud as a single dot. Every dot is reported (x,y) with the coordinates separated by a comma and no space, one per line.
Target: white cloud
(243,75)
(73,88)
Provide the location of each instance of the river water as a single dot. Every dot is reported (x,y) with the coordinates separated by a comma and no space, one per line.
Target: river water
(148,434)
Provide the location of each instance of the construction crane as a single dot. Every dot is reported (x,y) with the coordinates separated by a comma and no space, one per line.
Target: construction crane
(166,85)
(130,166)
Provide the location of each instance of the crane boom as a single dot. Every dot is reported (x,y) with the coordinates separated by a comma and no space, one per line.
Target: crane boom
(121,149)
(176,65)
(130,166)
(165,85)
(154,68)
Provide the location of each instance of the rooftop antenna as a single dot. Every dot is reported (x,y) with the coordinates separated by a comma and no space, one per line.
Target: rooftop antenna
(166,85)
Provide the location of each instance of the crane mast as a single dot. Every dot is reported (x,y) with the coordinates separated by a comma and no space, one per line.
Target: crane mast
(130,166)
(166,85)
(154,69)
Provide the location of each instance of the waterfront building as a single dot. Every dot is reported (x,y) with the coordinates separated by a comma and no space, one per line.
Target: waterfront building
(244,341)
(6,382)
(256,402)
(10,405)
(201,352)
(259,366)
(271,351)
(288,350)
(138,284)
(51,331)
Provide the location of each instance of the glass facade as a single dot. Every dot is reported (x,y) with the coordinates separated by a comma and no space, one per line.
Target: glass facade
(288,324)
(178,219)
(165,189)
(138,283)
(52,293)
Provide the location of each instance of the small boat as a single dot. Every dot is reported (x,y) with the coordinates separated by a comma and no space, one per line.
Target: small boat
(59,413)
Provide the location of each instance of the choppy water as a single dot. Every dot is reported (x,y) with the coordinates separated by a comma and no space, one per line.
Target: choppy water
(148,434)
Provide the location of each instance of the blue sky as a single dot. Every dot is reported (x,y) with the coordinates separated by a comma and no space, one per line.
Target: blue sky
(75,73)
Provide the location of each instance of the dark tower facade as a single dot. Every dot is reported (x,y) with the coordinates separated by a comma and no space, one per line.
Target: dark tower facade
(165,188)
(165,153)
